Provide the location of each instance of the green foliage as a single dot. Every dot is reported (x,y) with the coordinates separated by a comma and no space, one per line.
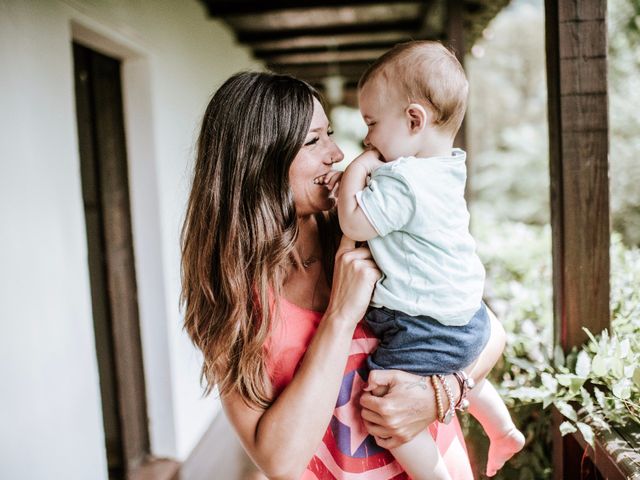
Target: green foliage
(517,258)
(509,181)
(602,378)
(624,103)
(507,116)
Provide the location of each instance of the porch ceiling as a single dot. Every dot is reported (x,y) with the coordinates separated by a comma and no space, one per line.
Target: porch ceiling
(318,39)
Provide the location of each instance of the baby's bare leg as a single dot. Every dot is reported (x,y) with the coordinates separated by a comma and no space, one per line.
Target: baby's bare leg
(488,408)
(420,458)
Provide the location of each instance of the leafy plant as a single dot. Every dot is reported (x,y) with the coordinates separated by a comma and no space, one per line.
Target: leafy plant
(507,115)
(602,377)
(517,258)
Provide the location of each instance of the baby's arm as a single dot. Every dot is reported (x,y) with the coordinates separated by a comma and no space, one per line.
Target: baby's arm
(353,221)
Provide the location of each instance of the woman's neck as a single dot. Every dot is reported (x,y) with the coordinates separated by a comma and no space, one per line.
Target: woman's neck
(306,285)
(308,249)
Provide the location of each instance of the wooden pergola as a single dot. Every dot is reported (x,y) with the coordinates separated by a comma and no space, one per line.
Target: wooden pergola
(321,40)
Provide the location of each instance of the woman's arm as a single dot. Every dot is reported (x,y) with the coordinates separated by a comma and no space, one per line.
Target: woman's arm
(282,439)
(409,406)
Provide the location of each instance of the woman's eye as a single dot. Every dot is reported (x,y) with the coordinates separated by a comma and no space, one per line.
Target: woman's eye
(313,141)
(330,132)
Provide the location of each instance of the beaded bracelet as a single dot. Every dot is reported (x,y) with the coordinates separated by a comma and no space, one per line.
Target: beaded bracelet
(451,411)
(438,395)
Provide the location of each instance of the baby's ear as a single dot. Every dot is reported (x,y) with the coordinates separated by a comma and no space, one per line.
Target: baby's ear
(417,116)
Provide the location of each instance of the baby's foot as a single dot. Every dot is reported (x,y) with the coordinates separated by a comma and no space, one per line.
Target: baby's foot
(502,449)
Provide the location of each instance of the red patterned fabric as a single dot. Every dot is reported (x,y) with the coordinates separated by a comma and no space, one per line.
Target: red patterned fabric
(347,452)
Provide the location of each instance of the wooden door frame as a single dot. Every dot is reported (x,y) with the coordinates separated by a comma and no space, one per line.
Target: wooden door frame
(112,265)
(155,317)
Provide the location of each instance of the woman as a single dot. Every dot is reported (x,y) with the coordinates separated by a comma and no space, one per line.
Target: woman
(277,319)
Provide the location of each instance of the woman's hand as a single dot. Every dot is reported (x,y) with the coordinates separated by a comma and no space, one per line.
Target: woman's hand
(354,277)
(405,410)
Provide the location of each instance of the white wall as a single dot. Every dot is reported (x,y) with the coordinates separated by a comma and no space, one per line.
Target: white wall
(173,58)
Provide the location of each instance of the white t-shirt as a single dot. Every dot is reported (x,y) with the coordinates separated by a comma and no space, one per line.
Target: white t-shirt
(424,248)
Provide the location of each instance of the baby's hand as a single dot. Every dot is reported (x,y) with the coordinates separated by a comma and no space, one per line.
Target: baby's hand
(370,159)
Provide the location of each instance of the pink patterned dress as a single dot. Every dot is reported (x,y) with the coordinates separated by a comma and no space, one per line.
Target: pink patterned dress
(347,451)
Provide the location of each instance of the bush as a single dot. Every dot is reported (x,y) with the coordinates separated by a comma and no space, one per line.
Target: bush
(603,376)
(518,289)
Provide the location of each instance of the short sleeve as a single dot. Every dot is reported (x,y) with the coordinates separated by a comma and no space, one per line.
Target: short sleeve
(387,201)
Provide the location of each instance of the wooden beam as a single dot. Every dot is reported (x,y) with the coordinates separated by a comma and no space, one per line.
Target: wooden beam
(234,7)
(326,57)
(325,17)
(576,47)
(258,36)
(343,50)
(321,70)
(336,41)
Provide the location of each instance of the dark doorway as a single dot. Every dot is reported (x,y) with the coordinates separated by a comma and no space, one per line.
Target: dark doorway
(105,189)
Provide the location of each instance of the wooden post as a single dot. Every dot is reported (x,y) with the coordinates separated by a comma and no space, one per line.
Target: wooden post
(579,144)
(455,30)
(576,46)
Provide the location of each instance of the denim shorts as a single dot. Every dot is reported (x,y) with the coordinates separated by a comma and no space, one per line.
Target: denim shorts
(424,346)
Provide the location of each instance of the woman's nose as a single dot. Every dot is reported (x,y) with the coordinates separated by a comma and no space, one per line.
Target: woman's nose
(336,154)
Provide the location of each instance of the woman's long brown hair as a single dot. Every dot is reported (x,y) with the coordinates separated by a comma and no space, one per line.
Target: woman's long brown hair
(240,225)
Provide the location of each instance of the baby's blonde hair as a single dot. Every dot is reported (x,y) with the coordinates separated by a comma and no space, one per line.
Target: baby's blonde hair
(425,72)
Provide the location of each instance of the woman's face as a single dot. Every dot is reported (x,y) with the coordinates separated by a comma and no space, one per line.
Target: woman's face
(313,160)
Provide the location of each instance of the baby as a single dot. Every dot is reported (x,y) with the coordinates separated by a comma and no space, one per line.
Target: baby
(405,197)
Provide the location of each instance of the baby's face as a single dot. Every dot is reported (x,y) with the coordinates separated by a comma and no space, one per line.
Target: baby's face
(388,126)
